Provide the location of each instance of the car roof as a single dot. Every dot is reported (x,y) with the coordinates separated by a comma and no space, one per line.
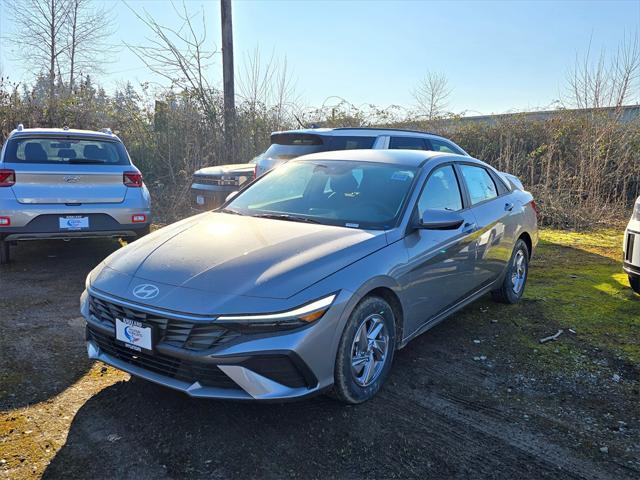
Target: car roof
(364,131)
(67,132)
(409,158)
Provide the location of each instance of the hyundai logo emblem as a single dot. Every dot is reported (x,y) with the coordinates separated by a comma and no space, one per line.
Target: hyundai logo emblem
(72,179)
(146,291)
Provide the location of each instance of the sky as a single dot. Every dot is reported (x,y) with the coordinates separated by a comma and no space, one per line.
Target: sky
(498,56)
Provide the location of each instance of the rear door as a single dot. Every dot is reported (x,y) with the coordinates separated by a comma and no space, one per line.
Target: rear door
(494,209)
(67,170)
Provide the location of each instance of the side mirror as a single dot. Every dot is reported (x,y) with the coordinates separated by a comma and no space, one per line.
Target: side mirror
(230,196)
(440,220)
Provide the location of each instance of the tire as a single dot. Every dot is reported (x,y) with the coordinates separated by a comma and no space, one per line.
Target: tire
(139,234)
(515,279)
(144,232)
(351,384)
(5,256)
(634,281)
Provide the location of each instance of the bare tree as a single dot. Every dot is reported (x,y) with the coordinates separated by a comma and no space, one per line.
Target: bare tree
(432,95)
(40,36)
(609,80)
(86,31)
(180,56)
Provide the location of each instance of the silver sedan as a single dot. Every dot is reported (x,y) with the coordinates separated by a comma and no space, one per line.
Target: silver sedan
(312,277)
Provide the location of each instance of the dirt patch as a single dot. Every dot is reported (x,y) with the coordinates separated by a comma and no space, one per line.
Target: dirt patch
(476,397)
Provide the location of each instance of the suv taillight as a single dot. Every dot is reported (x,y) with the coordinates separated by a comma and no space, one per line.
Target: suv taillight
(535,208)
(132,179)
(7,178)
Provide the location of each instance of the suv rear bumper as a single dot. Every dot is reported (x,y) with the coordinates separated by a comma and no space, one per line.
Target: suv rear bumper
(41,221)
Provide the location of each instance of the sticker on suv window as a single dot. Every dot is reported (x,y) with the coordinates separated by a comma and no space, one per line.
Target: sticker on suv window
(402,176)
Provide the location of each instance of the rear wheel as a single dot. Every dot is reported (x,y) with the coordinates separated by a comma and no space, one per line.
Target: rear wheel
(4,252)
(365,352)
(634,281)
(512,286)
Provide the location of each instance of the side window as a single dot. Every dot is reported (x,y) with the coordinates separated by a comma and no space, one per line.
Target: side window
(479,183)
(441,192)
(407,143)
(442,146)
(350,143)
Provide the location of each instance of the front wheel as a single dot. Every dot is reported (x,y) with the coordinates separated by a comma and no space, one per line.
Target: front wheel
(634,281)
(512,287)
(365,352)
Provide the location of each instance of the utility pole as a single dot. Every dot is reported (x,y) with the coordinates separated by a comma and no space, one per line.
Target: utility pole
(227,78)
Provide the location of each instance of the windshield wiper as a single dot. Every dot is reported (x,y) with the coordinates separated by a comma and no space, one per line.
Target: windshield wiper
(233,212)
(286,216)
(84,160)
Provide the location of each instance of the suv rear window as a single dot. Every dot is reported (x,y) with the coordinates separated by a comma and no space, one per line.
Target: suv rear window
(65,150)
(286,146)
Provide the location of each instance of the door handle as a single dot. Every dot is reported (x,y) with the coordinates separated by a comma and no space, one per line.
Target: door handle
(469,227)
(508,206)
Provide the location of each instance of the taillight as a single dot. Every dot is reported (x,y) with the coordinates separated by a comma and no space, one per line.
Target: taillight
(132,179)
(535,208)
(5,222)
(7,178)
(138,218)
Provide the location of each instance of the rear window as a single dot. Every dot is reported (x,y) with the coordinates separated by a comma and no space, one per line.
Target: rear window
(65,150)
(285,146)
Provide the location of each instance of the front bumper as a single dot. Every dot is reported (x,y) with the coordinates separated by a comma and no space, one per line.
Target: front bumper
(276,366)
(208,197)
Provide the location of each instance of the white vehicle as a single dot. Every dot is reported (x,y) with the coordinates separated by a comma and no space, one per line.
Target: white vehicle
(291,144)
(631,249)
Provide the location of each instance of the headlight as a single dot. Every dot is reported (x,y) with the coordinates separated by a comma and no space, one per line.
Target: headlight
(636,211)
(303,315)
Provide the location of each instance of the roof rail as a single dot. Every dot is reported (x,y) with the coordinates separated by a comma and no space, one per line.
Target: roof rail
(20,127)
(106,130)
(387,128)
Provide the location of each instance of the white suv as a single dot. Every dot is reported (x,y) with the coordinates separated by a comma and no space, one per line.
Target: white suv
(293,143)
(631,249)
(57,183)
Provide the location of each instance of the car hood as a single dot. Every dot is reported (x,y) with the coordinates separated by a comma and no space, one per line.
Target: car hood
(232,255)
(236,168)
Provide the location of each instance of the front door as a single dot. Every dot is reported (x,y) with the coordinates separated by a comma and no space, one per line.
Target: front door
(440,262)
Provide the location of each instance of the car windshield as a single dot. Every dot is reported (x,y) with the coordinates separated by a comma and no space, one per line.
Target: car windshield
(65,150)
(337,192)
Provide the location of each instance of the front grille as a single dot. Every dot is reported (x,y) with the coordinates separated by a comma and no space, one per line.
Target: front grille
(224,181)
(179,333)
(187,371)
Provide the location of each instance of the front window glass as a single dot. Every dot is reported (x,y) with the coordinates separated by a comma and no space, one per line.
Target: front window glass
(336,192)
(441,192)
(479,183)
(65,150)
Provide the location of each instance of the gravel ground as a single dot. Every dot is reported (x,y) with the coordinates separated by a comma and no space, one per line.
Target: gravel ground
(465,400)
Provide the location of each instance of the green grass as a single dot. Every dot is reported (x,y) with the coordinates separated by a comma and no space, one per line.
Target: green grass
(576,281)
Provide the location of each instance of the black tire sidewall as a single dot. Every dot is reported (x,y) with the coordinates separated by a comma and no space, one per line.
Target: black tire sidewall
(346,387)
(508,286)
(634,281)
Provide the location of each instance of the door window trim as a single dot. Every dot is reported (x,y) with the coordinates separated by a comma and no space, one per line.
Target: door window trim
(462,190)
(489,172)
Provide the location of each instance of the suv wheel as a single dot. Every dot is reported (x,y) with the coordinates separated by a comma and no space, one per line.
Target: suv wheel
(512,286)
(4,252)
(634,281)
(365,352)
